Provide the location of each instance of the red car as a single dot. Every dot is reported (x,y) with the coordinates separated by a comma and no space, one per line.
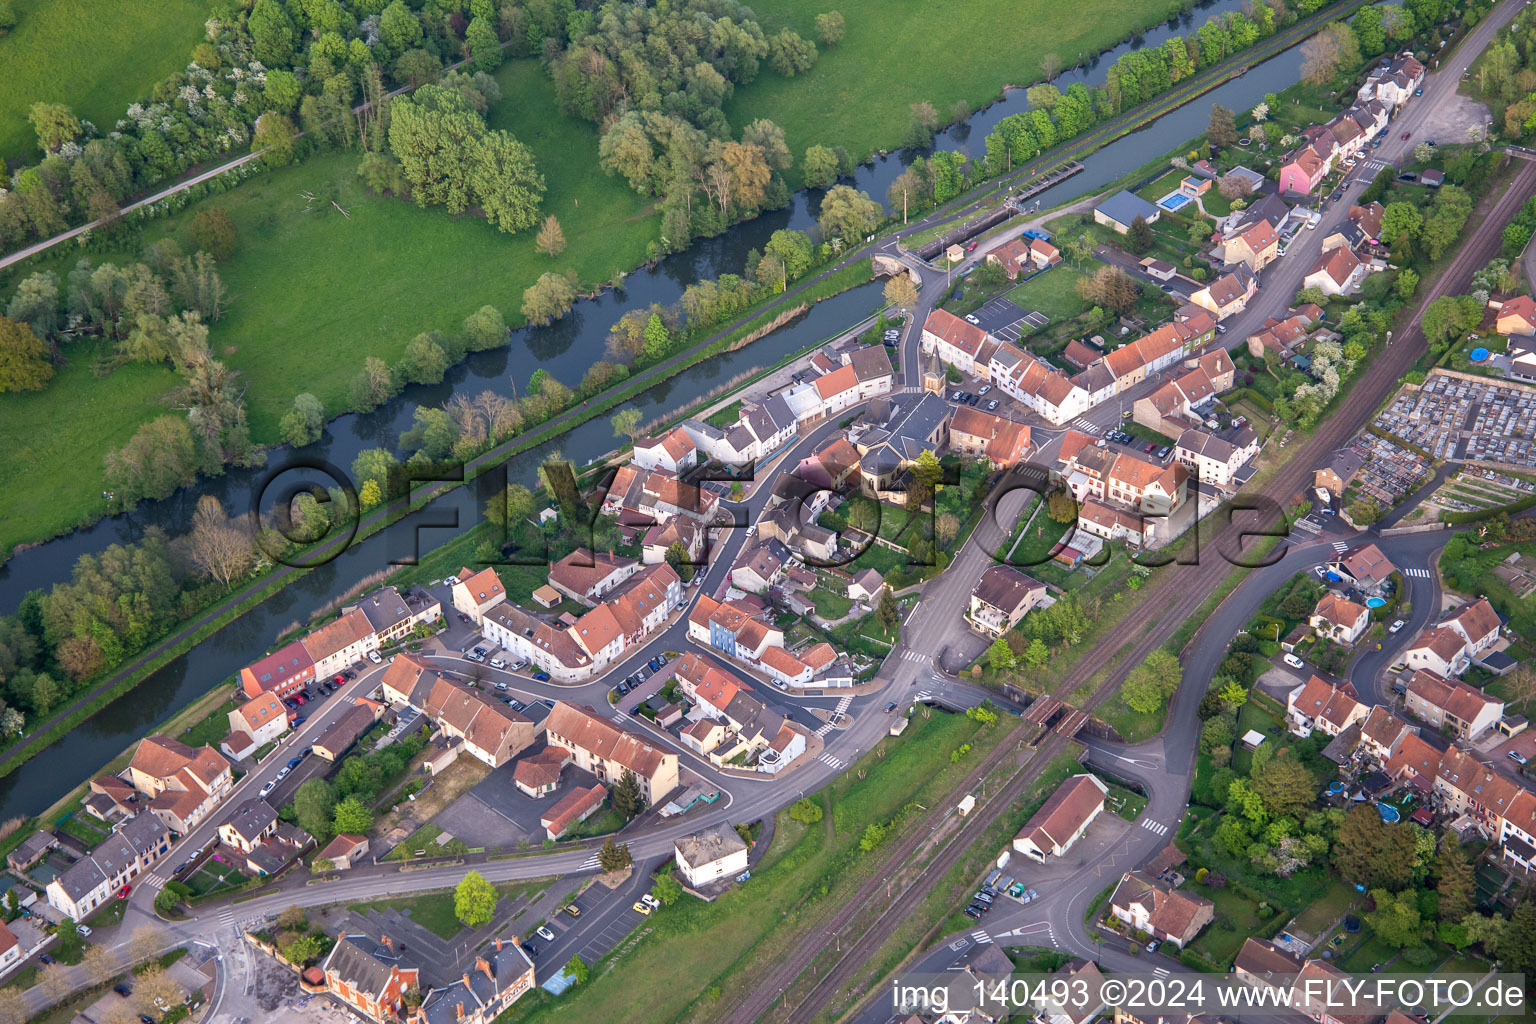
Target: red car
(338,680)
(122,893)
(1405,136)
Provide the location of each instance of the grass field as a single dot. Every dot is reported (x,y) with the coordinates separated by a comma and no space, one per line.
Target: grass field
(1054,292)
(895,54)
(315,294)
(433,911)
(97,56)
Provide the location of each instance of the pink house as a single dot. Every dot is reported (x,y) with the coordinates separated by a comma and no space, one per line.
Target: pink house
(1306,166)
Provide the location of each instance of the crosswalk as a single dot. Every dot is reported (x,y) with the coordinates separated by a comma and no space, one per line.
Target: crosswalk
(1161,972)
(1341,546)
(910,655)
(1155,827)
(227,917)
(1373,165)
(589,863)
(835,763)
(1421,574)
(837,713)
(154,883)
(980,937)
(1086,426)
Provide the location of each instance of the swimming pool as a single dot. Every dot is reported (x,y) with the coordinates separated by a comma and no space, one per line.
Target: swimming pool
(1173,201)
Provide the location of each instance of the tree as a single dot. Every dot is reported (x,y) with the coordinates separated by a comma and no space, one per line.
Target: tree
(483,46)
(681,562)
(551,239)
(657,340)
(626,422)
(1285,785)
(301,949)
(1037,654)
(506,182)
(1234,186)
(154,988)
(1454,882)
(1365,512)
(24,363)
(304,423)
(214,232)
(1140,237)
(1222,129)
(1061,506)
(924,122)
(628,800)
(53,981)
(156,461)
(550,297)
(1152,682)
(474,900)
(99,963)
(577,968)
(1329,53)
(806,811)
(820,166)
(1111,288)
(1001,656)
(220,549)
(373,386)
(1368,851)
(614,856)
(790,54)
(314,805)
(667,889)
(1396,918)
(887,612)
(273,138)
(352,817)
(900,292)
(13,1004)
(829,28)
(55,125)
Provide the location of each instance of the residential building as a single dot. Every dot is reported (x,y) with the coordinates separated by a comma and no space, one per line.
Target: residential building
(1166,914)
(478,592)
(251,822)
(1477,624)
(606,751)
(255,723)
(498,978)
(1216,458)
(570,810)
(1365,568)
(31,850)
(538,774)
(956,341)
(346,639)
(1339,619)
(642,605)
(344,851)
(709,855)
(1465,785)
(183,784)
(1318,704)
(1228,295)
(1438,649)
(1382,734)
(1120,211)
(1282,337)
(585,576)
(1111,522)
(1062,819)
(490,730)
(407,680)
(982,435)
(368,978)
(659,539)
(1079,999)
(393,616)
(1516,316)
(1089,471)
(735,628)
(1393,83)
(285,672)
(337,738)
(550,648)
(1038,385)
(1337,473)
(132,848)
(1338,272)
(1451,704)
(673,452)
(10,950)
(895,433)
(761,737)
(1254,244)
(1002,596)
(1262,964)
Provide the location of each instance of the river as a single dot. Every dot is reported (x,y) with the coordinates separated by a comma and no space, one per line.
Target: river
(565,348)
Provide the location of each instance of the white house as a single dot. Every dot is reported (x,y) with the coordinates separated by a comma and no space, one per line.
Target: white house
(95,878)
(478,592)
(710,855)
(1063,819)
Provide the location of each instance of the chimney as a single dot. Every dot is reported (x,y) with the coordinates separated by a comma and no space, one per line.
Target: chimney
(485,968)
(466,983)
(459,1010)
(387,941)
(498,945)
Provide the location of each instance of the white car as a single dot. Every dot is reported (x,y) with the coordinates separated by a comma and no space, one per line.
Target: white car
(373,656)
(269,787)
(283,774)
(1397,624)
(84,930)
(545,934)
(650,901)
(451,581)
(1293,661)
(498,663)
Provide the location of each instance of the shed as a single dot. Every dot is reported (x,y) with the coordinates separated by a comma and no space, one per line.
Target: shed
(1252,738)
(547,596)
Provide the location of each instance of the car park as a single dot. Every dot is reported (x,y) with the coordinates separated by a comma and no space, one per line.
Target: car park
(543,932)
(1293,661)
(984,389)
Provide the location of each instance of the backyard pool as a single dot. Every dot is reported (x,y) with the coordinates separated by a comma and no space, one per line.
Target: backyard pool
(1374,602)
(1388,812)
(1479,355)
(1173,201)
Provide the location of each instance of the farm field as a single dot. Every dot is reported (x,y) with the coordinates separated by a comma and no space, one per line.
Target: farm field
(859,93)
(94,55)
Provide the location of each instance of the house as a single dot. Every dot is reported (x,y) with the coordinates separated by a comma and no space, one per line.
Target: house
(1522,359)
(1165,913)
(1159,270)
(1282,337)
(407,681)
(1125,478)
(752,728)
(1365,567)
(1120,211)
(552,649)
(112,799)
(1465,785)
(1320,992)
(758,566)
(1318,704)
(1181,403)
(1228,294)
(586,576)
(1001,597)
(1477,624)
(1077,999)
(679,530)
(393,616)
(1216,458)
(737,629)
(1339,619)
(10,949)
(954,340)
(673,452)
(490,730)
(497,979)
(132,848)
(1516,316)
(368,978)
(597,746)
(642,605)
(575,807)
(478,592)
(982,435)
(261,720)
(1062,819)
(251,822)
(1439,649)
(183,784)
(285,672)
(31,850)
(1338,272)
(1110,522)
(1306,165)
(1382,734)
(1415,763)
(1393,83)
(1339,471)
(346,639)
(1255,245)
(1038,385)
(538,774)
(1264,965)
(344,851)
(337,738)
(1451,704)
(710,854)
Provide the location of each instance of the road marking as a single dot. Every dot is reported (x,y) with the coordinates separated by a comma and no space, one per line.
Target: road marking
(910,655)
(589,863)
(1161,972)
(154,883)
(837,712)
(834,762)
(980,937)
(1155,827)
(1341,546)
(1423,574)
(1087,427)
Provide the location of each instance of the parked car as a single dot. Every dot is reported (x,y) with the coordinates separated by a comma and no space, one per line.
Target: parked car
(573,910)
(650,901)
(338,679)
(1418,92)
(499,686)
(269,787)
(622,688)
(498,663)
(530,949)
(46,959)
(992,405)
(543,932)
(1149,447)
(1293,661)
(641,908)
(283,774)
(1162,453)
(972,913)
(971,399)
(1152,946)
(971,317)
(295,762)
(122,990)
(984,389)
(84,930)
(373,656)
(1514,755)
(122,893)
(955,396)
(542,677)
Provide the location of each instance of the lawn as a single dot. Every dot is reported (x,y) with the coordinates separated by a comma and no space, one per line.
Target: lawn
(829,605)
(214,877)
(692,953)
(94,55)
(1237,917)
(1326,909)
(370,282)
(1054,292)
(433,911)
(859,93)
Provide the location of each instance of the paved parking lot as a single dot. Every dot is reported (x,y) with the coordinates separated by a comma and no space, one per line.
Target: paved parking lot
(496,813)
(1002,318)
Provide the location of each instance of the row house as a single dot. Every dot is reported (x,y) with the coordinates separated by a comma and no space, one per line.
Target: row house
(346,639)
(585,576)
(985,436)
(183,785)
(834,468)
(1414,763)
(872,368)
(254,724)
(1089,471)
(1001,598)
(478,592)
(392,616)
(407,681)
(1228,295)
(368,978)
(1110,522)
(673,452)
(1216,459)
(1517,835)
(499,977)
(1318,704)
(284,672)
(131,849)
(1339,619)
(1180,403)
(1327,144)
(661,497)
(599,747)
(1467,786)
(733,446)
(658,540)
(1382,733)
(491,731)
(956,341)
(1150,354)
(737,629)
(1393,83)
(1443,703)
(550,648)
(752,728)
